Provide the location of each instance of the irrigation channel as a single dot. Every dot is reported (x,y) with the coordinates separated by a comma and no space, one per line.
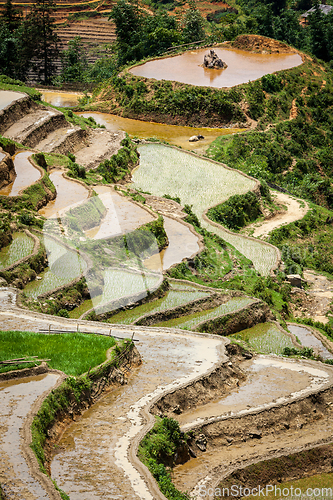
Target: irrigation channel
(96,457)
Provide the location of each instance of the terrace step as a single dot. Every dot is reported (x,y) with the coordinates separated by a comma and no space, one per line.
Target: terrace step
(62,140)
(100,145)
(35,126)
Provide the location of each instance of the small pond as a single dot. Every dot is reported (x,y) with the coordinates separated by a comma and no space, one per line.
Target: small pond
(242,67)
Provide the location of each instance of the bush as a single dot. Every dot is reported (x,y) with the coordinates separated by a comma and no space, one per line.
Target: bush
(236,212)
(63,313)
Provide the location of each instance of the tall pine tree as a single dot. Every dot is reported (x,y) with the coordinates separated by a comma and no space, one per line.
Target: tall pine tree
(42,38)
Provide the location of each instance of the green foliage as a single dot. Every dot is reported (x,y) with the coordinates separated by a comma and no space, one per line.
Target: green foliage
(174,198)
(76,171)
(306,243)
(195,105)
(40,160)
(193,30)
(63,313)
(158,448)
(237,211)
(306,352)
(120,164)
(73,61)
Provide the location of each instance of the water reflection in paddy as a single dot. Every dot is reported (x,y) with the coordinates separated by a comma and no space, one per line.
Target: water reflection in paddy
(6,97)
(174,134)
(26,174)
(122,215)
(21,246)
(68,193)
(201,183)
(182,243)
(242,67)
(61,99)
(16,399)
(308,339)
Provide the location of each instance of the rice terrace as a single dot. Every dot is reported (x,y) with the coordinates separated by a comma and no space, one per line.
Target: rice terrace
(166,266)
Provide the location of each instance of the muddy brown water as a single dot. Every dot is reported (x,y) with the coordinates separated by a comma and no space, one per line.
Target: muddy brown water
(68,193)
(26,174)
(16,399)
(7,97)
(265,383)
(174,134)
(242,67)
(91,462)
(61,99)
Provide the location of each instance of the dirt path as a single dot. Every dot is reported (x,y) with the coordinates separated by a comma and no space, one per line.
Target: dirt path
(321,293)
(295,211)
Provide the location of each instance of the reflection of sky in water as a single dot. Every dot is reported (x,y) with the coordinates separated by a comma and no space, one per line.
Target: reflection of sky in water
(26,174)
(307,339)
(16,399)
(6,97)
(61,99)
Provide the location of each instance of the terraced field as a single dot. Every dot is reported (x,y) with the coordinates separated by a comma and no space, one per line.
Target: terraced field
(21,246)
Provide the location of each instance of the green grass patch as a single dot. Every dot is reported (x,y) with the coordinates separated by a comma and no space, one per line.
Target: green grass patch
(72,353)
(7,83)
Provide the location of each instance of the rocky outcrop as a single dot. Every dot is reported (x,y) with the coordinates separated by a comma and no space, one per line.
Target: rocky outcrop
(212,61)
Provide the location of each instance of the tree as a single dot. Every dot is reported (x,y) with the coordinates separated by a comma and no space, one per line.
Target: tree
(11,16)
(42,39)
(193,25)
(74,61)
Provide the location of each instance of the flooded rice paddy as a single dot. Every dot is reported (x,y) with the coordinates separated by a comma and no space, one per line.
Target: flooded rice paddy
(16,399)
(61,99)
(265,383)
(308,339)
(26,174)
(191,321)
(92,459)
(173,298)
(202,184)
(68,193)
(21,246)
(7,97)
(174,134)
(122,215)
(64,266)
(182,244)
(243,66)
(265,338)
(2,156)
